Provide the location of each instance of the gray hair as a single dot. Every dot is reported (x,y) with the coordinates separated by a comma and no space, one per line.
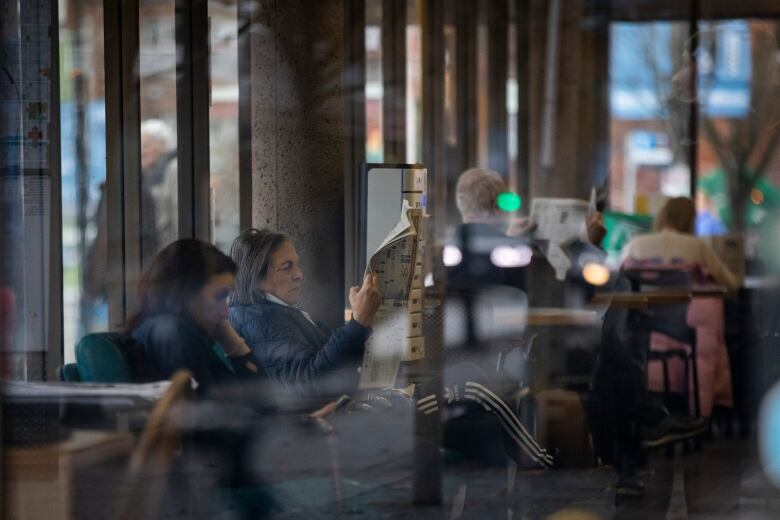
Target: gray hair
(160,130)
(476,193)
(251,251)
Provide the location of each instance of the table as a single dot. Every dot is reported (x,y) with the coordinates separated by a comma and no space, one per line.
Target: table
(42,480)
(560,317)
(541,316)
(643,299)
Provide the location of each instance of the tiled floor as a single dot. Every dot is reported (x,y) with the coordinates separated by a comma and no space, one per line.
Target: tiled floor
(722,481)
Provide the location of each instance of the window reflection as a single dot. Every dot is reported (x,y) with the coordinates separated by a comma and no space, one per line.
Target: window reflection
(374,86)
(738,125)
(157,70)
(83,151)
(223,122)
(649,109)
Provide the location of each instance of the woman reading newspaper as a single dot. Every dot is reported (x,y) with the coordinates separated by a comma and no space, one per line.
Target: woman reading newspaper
(309,360)
(305,357)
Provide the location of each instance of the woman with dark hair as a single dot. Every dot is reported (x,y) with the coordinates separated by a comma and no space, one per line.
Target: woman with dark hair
(182,317)
(306,357)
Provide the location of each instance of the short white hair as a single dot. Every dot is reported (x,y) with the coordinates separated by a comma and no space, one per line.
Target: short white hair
(476,193)
(159,129)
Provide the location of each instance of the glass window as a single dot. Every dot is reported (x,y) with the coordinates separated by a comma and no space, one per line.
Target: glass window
(83,160)
(223,122)
(157,69)
(374,87)
(650,107)
(413,84)
(738,163)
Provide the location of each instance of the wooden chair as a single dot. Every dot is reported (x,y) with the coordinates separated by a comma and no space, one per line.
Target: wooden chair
(150,463)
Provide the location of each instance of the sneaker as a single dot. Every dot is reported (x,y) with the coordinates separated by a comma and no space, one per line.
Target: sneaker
(629,487)
(671,429)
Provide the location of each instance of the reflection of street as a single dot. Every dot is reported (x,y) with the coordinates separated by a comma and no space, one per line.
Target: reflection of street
(657,84)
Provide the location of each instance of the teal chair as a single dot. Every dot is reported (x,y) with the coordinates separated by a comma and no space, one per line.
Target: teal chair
(102,358)
(69,373)
(112,357)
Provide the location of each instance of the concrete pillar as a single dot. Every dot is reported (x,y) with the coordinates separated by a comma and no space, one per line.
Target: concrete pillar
(298,150)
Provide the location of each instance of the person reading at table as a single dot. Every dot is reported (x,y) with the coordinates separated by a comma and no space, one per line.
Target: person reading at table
(673,246)
(182,317)
(485,227)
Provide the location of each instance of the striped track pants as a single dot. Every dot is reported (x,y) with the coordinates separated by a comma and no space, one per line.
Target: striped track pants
(492,403)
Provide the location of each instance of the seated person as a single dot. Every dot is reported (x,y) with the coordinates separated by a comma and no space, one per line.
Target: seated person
(673,242)
(485,225)
(305,356)
(313,361)
(182,315)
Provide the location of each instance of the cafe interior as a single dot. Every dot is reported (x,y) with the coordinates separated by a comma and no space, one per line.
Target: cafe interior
(390,259)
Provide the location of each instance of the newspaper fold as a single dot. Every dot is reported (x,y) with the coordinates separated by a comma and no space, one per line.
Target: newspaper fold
(394,259)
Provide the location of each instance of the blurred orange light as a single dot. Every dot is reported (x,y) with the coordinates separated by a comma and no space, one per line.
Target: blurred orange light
(595,274)
(757,196)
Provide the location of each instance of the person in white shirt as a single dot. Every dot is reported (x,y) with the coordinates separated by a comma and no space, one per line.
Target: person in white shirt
(673,242)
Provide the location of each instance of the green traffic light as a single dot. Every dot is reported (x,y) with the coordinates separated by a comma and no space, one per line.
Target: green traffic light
(509,201)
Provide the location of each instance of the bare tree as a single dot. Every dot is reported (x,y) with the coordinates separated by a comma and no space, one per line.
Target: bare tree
(744,145)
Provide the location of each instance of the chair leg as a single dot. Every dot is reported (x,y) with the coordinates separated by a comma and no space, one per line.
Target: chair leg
(696,398)
(665,365)
(686,383)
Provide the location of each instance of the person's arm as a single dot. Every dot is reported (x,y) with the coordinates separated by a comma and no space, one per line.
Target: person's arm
(172,345)
(595,229)
(304,368)
(289,358)
(236,349)
(718,269)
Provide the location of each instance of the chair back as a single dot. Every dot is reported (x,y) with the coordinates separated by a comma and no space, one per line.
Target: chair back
(69,373)
(150,464)
(101,358)
(668,319)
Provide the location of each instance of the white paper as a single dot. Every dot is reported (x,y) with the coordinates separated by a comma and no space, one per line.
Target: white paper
(384,349)
(394,260)
(557,221)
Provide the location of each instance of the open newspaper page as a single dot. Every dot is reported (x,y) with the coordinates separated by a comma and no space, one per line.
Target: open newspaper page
(558,221)
(394,263)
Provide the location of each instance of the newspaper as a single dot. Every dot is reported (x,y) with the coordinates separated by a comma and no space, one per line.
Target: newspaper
(384,349)
(394,263)
(558,221)
(394,259)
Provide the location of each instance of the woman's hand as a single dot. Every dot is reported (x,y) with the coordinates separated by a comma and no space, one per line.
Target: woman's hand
(227,337)
(520,226)
(595,228)
(365,301)
(325,410)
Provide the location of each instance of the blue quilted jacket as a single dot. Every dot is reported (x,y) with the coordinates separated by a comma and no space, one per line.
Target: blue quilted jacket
(308,360)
